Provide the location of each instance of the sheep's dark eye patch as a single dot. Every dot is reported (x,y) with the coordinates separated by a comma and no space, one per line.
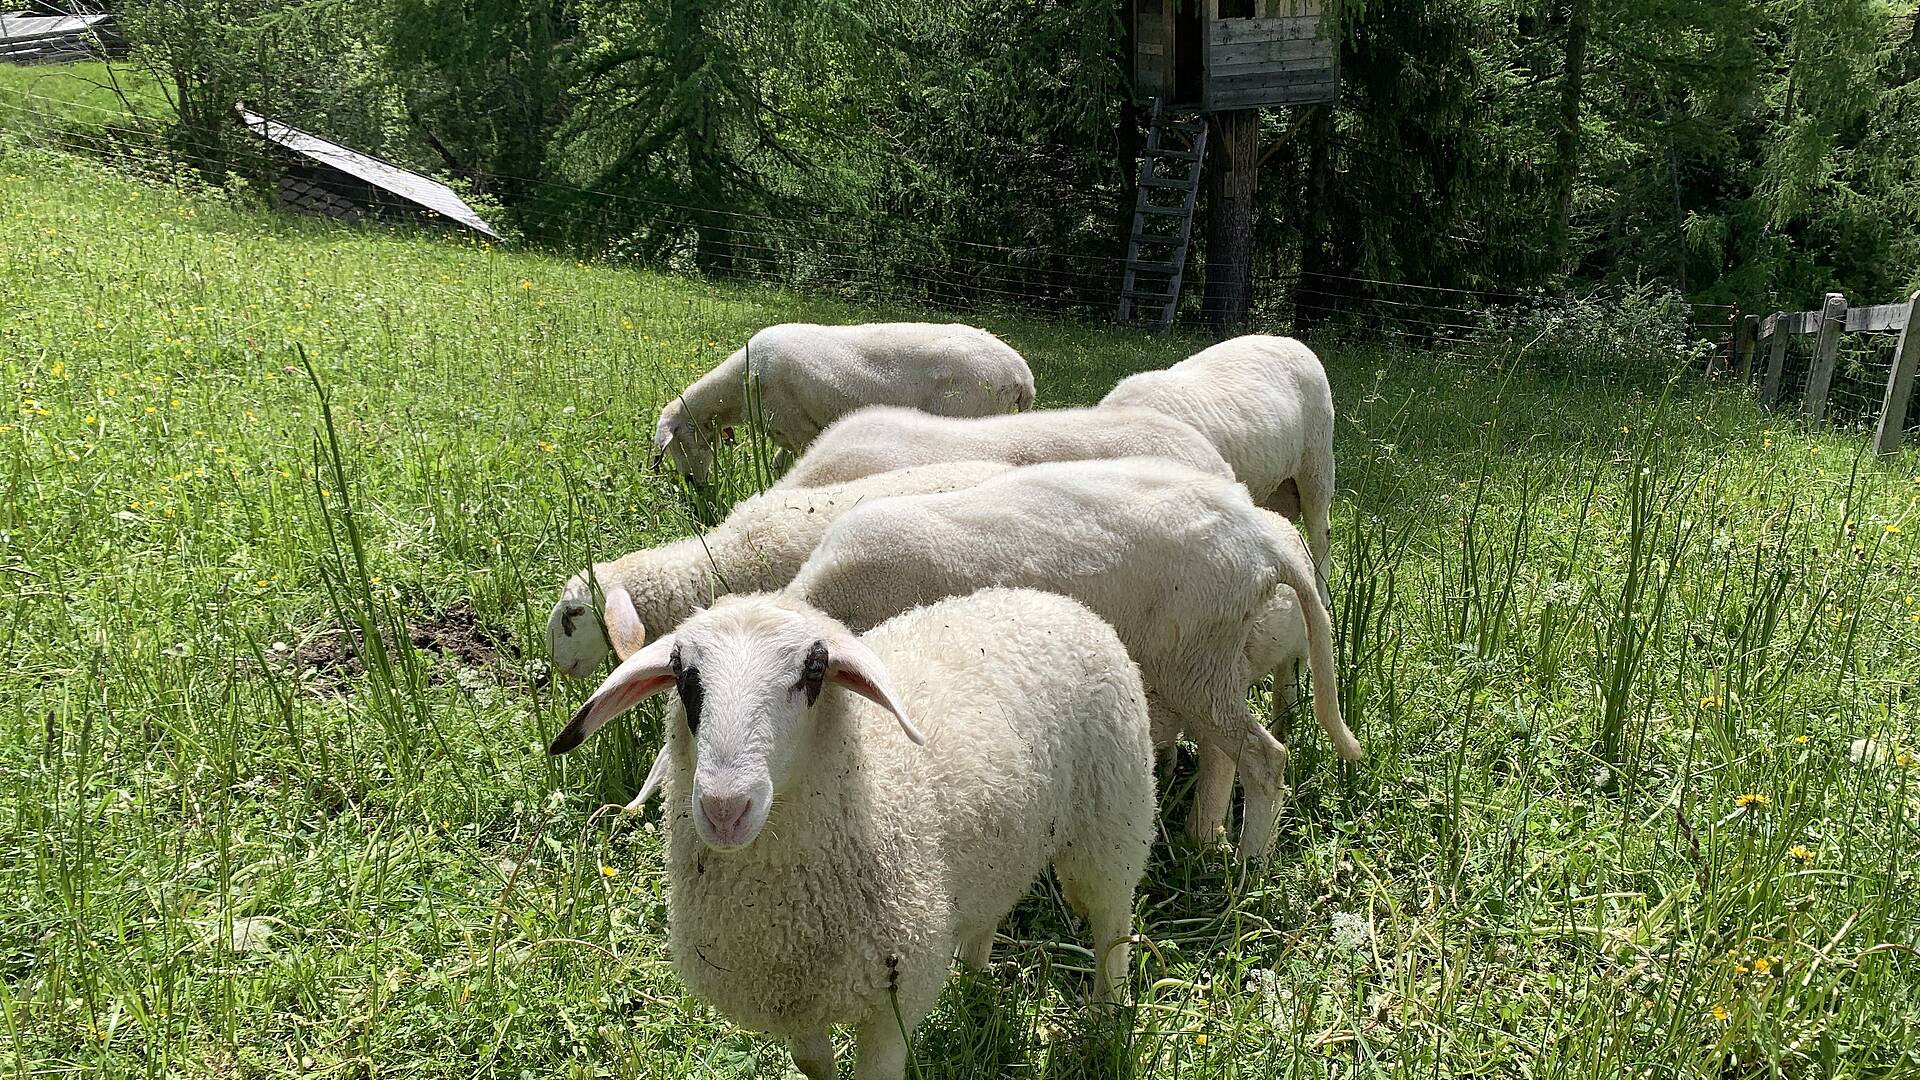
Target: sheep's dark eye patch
(813,674)
(687,681)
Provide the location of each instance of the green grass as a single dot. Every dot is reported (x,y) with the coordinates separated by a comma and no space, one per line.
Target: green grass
(1579,623)
(51,99)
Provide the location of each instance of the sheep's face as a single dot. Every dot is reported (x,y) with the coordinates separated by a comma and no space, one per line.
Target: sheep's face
(748,673)
(575,639)
(690,447)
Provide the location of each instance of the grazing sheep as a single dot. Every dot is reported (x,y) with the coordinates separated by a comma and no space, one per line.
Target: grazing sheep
(821,867)
(1265,404)
(807,376)
(1178,561)
(759,546)
(877,440)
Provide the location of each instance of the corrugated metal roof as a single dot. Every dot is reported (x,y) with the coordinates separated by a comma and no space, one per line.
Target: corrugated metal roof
(411,186)
(20,26)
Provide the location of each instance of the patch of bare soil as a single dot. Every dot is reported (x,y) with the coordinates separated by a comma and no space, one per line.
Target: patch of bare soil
(456,638)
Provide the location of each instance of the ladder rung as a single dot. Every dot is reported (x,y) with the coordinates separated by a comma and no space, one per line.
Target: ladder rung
(1164,269)
(1189,126)
(1155,238)
(1172,155)
(1183,184)
(1150,297)
(1151,209)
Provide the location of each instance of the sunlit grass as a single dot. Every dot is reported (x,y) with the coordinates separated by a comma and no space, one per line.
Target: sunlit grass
(1612,652)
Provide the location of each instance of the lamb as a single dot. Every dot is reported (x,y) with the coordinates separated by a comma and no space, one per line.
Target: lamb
(806,376)
(1266,405)
(875,440)
(1180,562)
(824,869)
(759,546)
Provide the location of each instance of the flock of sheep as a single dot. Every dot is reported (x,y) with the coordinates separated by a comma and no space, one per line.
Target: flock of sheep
(936,657)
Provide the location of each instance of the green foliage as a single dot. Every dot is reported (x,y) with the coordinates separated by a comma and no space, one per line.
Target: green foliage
(277,804)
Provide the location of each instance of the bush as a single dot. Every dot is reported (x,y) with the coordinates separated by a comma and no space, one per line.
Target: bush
(1639,334)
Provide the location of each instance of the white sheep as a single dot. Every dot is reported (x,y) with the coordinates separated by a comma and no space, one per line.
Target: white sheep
(1266,405)
(806,376)
(758,547)
(876,440)
(1180,562)
(821,867)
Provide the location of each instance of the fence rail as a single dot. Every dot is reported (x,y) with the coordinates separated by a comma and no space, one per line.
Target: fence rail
(1772,336)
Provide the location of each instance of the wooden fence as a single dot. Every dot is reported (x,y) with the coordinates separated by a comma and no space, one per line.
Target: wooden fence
(1755,338)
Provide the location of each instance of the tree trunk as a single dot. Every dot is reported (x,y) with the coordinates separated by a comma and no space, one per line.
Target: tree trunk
(1567,138)
(1316,231)
(688,40)
(1232,178)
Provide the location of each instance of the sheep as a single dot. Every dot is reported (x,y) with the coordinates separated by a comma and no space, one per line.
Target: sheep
(875,440)
(1179,561)
(1266,405)
(759,546)
(823,869)
(806,376)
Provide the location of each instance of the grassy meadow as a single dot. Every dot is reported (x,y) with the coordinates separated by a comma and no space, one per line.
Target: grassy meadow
(1635,670)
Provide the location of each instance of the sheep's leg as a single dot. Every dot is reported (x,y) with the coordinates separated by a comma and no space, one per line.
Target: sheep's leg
(1316,520)
(1103,895)
(881,1045)
(813,1055)
(1263,771)
(976,950)
(1212,794)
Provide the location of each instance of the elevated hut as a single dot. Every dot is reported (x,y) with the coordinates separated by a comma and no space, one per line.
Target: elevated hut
(1205,67)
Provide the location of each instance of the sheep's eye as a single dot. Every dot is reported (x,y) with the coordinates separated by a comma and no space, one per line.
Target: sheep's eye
(673,662)
(687,681)
(814,673)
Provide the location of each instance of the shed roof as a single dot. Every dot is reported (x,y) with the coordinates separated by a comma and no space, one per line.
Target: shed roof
(17,26)
(421,190)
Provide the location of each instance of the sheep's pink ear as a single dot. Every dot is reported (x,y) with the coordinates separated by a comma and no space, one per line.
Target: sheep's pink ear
(638,677)
(624,628)
(854,666)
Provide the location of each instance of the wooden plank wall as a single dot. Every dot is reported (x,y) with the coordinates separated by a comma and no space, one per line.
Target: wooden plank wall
(1270,60)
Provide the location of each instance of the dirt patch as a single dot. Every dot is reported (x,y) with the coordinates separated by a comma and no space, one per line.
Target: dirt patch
(456,639)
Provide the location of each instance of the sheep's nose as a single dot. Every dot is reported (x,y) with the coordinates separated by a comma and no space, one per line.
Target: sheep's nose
(724,814)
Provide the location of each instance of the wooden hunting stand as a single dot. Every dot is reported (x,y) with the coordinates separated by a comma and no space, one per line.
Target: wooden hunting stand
(1211,65)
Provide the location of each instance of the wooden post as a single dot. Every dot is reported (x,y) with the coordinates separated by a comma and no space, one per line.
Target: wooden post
(1826,352)
(1746,337)
(1893,407)
(1776,360)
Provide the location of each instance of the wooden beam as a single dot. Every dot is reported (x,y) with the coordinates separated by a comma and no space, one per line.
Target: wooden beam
(1826,352)
(1906,358)
(1746,338)
(1777,337)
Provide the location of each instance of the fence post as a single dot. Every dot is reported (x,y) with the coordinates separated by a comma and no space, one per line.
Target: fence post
(1893,408)
(1826,352)
(1745,335)
(1776,360)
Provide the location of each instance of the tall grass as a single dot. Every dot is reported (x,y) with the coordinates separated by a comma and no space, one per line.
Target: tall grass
(284,506)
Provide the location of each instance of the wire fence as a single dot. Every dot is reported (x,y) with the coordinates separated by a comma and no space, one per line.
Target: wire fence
(892,263)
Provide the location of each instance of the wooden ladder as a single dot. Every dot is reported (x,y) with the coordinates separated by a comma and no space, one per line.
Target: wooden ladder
(1157,247)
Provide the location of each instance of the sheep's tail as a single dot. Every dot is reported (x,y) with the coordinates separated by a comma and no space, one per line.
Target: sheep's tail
(1297,572)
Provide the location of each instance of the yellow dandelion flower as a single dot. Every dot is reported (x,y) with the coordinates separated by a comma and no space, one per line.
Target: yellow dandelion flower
(374,580)
(1623,429)
(1761,965)
(1893,530)
(151,409)
(1720,1013)
(547,446)
(1803,739)
(1905,759)
(609,871)
(1200,1039)
(1740,969)
(526,283)
(59,368)
(88,419)
(1710,702)
(176,403)
(1752,800)
(1801,853)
